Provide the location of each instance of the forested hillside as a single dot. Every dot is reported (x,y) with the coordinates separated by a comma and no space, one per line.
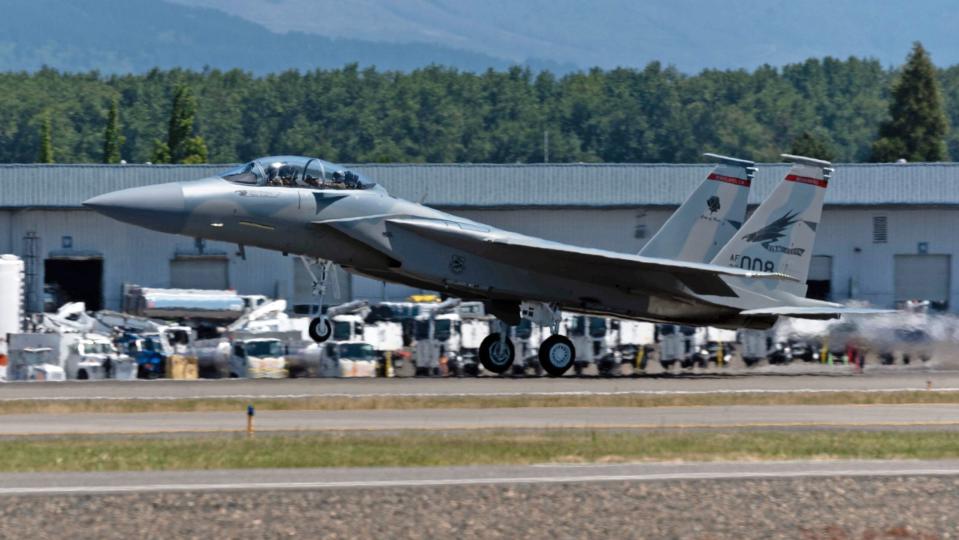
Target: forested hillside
(443,115)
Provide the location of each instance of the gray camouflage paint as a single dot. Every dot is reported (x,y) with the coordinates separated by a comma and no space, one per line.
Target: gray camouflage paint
(707,219)
(780,235)
(372,233)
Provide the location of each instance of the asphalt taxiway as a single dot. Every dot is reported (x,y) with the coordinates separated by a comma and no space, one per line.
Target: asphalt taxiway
(789,379)
(386,477)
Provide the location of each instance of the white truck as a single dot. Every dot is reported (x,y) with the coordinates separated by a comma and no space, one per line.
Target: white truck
(348,359)
(332,359)
(34,364)
(255,358)
(73,356)
(679,344)
(631,342)
(437,335)
(588,335)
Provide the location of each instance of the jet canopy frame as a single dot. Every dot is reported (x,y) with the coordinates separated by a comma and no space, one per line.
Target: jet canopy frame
(297,172)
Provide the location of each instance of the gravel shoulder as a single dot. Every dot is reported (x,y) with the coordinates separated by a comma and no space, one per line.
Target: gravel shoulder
(809,508)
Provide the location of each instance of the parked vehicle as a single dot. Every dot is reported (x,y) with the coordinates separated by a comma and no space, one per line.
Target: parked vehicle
(756,345)
(436,334)
(348,359)
(588,335)
(150,351)
(75,356)
(680,344)
(255,358)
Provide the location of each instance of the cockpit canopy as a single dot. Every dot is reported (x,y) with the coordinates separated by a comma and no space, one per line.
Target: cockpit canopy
(297,171)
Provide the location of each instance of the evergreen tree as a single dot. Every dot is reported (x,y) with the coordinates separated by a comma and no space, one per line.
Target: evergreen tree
(810,145)
(112,140)
(46,139)
(181,145)
(194,150)
(917,126)
(160,153)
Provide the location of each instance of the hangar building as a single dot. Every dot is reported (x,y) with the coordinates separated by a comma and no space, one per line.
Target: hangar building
(887,234)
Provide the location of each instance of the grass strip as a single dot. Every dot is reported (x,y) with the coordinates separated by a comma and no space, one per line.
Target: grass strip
(458,448)
(321,403)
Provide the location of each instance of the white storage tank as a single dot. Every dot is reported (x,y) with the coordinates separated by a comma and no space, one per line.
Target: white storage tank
(11,297)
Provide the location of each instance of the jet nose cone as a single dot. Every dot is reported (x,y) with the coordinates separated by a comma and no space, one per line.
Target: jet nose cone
(159,207)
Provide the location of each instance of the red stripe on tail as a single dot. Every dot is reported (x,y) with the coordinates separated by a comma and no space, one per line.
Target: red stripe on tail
(728,179)
(818,182)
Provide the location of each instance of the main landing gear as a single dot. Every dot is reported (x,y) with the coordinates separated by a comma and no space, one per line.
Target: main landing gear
(497,352)
(321,329)
(556,353)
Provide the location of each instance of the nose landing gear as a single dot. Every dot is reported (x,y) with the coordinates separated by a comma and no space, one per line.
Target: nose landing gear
(321,329)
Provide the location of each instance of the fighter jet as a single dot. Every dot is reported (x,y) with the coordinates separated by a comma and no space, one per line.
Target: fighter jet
(325,212)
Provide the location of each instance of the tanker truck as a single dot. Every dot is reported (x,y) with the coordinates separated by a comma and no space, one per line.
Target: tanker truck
(255,358)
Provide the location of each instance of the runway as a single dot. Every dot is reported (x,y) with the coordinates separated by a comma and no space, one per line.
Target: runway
(790,379)
(941,416)
(334,478)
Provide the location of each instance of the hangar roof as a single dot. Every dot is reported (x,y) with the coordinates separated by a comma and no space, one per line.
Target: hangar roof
(504,186)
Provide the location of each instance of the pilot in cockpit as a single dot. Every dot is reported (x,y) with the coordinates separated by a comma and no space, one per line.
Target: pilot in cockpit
(338,180)
(273,175)
(281,174)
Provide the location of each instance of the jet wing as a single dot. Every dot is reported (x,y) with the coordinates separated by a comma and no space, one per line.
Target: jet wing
(814,312)
(630,272)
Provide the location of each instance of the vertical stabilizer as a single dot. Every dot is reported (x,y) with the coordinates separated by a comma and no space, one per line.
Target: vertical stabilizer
(709,217)
(779,236)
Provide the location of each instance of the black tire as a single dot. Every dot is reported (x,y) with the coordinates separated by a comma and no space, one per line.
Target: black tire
(320,329)
(556,355)
(494,357)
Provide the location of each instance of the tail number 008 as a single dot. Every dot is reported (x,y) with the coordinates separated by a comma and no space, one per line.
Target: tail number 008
(755,263)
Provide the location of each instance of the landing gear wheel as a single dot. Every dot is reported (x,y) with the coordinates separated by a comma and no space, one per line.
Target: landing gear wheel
(496,356)
(557,355)
(320,329)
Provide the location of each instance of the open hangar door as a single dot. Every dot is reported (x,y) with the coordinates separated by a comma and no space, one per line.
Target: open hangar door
(73,278)
(923,277)
(819,282)
(200,272)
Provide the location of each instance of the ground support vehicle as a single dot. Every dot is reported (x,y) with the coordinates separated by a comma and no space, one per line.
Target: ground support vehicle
(255,358)
(436,335)
(679,344)
(78,356)
(348,359)
(588,335)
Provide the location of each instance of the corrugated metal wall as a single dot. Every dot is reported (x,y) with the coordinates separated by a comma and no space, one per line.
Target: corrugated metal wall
(471,186)
(860,268)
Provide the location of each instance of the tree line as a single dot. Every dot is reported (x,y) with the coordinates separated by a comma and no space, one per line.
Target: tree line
(847,110)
